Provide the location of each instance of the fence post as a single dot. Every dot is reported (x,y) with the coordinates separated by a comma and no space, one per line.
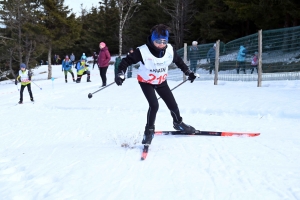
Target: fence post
(217,62)
(184,58)
(259,74)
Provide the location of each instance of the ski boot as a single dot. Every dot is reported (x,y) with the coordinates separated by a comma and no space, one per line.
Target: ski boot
(31,99)
(20,102)
(180,126)
(148,135)
(88,78)
(78,79)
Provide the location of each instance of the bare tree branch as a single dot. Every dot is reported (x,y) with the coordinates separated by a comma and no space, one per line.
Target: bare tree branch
(182,13)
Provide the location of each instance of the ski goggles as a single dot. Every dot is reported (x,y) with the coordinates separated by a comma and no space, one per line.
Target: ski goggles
(161,41)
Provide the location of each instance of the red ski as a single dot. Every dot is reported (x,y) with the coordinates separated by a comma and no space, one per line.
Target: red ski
(197,132)
(145,152)
(209,133)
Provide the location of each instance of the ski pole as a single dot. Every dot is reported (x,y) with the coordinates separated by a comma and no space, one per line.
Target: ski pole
(197,75)
(91,94)
(176,86)
(36,85)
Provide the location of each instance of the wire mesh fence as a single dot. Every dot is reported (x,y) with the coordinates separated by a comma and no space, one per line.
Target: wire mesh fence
(238,59)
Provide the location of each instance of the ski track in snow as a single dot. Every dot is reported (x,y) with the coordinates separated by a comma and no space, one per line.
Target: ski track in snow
(66,146)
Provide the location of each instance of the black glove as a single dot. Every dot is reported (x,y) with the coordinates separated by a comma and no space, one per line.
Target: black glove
(120,78)
(16,82)
(191,75)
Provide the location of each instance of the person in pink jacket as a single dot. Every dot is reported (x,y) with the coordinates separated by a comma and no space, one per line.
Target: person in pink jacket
(103,60)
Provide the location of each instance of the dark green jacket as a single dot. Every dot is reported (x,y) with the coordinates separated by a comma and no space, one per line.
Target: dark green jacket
(117,63)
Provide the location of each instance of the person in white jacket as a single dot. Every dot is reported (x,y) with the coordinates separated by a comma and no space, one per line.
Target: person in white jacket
(154,57)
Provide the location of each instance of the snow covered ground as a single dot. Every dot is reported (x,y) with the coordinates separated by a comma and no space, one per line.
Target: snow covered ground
(66,146)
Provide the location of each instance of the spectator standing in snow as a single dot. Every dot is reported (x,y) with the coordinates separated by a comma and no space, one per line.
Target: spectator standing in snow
(83,57)
(241,60)
(95,58)
(72,57)
(155,56)
(193,56)
(67,67)
(25,79)
(211,58)
(117,63)
(55,57)
(254,62)
(103,61)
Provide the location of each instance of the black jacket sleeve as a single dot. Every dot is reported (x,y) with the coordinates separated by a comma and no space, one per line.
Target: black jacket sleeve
(29,75)
(130,59)
(179,62)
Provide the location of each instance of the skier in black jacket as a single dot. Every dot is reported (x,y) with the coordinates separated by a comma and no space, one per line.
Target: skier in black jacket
(155,56)
(95,58)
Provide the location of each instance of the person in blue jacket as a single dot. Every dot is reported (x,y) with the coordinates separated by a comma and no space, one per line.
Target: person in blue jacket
(67,67)
(241,59)
(193,56)
(83,57)
(211,58)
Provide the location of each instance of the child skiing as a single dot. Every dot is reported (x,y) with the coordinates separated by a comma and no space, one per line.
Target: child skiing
(67,67)
(25,79)
(155,56)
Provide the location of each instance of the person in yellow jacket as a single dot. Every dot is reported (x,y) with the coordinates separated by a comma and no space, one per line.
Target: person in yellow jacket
(25,79)
(82,69)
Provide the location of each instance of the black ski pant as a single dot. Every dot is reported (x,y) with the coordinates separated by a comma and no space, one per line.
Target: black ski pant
(95,62)
(84,73)
(211,66)
(103,71)
(166,95)
(254,67)
(29,91)
(241,67)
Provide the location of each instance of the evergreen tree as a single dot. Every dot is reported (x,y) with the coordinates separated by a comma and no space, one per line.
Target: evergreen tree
(20,18)
(218,22)
(138,28)
(267,14)
(60,27)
